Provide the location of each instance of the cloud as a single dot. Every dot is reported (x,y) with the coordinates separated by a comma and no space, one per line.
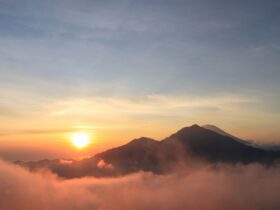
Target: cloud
(35,131)
(224,187)
(6,111)
(64,161)
(102,164)
(156,105)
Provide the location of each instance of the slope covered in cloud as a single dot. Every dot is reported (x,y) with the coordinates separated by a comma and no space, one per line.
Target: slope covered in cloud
(223,187)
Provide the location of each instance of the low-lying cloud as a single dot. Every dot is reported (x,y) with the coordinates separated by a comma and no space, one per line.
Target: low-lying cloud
(250,187)
(104,165)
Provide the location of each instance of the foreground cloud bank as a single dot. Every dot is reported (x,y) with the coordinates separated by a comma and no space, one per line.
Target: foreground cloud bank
(225,187)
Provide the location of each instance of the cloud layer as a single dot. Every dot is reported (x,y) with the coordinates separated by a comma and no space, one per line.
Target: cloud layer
(225,187)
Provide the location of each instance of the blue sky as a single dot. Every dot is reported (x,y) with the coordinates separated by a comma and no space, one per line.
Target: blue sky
(172,46)
(214,58)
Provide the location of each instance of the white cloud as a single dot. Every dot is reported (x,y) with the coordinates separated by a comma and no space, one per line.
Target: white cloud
(250,187)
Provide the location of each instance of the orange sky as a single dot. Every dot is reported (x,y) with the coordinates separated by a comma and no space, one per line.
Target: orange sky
(114,121)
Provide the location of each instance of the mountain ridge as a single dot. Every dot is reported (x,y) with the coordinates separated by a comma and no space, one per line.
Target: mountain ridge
(147,154)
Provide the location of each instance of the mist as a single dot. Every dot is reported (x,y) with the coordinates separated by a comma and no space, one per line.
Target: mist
(211,188)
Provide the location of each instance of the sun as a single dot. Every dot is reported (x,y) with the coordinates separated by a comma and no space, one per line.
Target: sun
(80,140)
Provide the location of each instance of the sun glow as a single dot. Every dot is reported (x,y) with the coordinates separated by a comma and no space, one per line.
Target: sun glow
(80,140)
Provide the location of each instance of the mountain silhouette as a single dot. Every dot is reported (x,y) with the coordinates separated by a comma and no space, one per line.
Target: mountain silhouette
(222,132)
(214,147)
(269,147)
(146,154)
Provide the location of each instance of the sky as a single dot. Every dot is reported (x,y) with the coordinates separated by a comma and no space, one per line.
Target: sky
(124,69)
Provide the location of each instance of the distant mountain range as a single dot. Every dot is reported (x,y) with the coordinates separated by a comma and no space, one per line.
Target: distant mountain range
(207,143)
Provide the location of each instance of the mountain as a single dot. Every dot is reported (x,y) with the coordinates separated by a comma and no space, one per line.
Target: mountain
(214,147)
(145,154)
(139,154)
(269,147)
(222,132)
